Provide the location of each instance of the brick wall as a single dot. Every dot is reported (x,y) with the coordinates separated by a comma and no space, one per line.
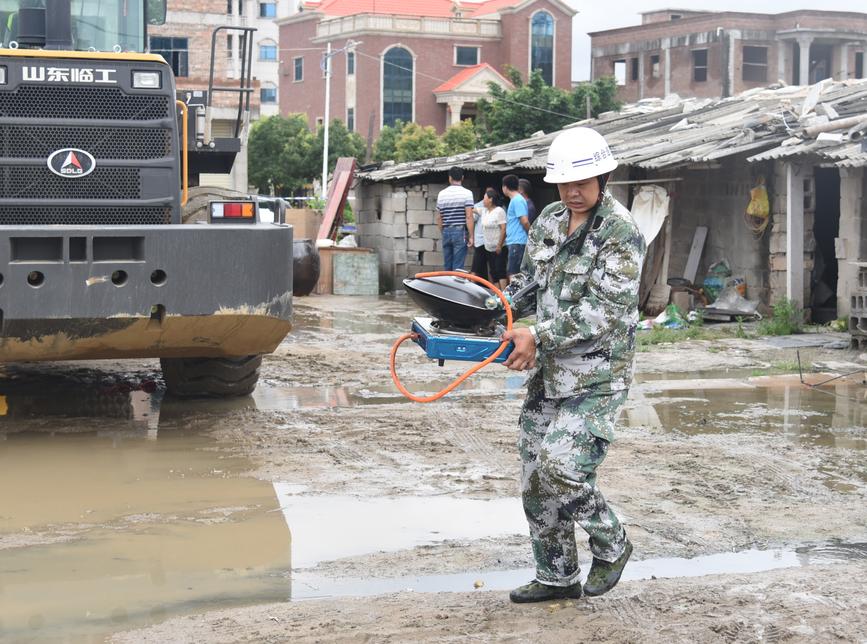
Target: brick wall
(516,41)
(713,31)
(195,20)
(434,63)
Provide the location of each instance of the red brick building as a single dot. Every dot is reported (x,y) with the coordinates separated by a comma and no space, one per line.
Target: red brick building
(426,61)
(718,54)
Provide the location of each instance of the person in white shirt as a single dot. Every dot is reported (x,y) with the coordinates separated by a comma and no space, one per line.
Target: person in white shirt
(492,222)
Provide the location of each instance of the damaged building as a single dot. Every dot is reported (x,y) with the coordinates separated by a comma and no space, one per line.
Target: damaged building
(803,143)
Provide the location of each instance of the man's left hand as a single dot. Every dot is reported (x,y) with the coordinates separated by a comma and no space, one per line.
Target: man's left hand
(523,356)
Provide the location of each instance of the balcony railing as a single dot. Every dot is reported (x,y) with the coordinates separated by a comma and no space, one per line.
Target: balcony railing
(407,24)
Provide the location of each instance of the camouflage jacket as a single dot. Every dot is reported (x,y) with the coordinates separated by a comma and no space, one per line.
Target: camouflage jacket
(587,302)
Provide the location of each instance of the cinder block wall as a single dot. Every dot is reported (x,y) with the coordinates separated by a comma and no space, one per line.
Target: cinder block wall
(717,198)
(398,221)
(777,237)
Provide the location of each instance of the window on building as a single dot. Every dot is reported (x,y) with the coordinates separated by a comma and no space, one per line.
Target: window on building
(859,64)
(542,45)
(298,64)
(755,66)
(240,7)
(620,72)
(267,52)
(466,56)
(229,9)
(350,63)
(350,119)
(397,75)
(634,71)
(175,51)
(654,66)
(676,16)
(268,94)
(230,49)
(699,65)
(267,9)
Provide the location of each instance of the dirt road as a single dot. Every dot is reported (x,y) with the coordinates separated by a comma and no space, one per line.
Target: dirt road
(744,497)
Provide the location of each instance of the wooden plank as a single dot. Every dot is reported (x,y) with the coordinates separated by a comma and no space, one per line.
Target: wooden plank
(325,284)
(666,257)
(695,252)
(341,182)
(655,265)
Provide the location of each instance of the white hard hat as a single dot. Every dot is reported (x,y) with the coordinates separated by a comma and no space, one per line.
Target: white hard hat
(576,154)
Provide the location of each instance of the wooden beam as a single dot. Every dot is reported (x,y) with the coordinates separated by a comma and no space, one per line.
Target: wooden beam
(795,233)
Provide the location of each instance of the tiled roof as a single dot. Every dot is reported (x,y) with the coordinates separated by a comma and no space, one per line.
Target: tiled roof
(825,123)
(464,75)
(426,8)
(492,6)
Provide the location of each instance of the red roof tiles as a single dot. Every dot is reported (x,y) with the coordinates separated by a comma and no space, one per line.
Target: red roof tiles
(425,8)
(464,75)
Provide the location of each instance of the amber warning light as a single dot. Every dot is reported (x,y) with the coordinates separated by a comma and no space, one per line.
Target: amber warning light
(233,211)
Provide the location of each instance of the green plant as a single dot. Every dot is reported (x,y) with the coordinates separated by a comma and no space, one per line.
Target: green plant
(460,138)
(316,203)
(840,324)
(786,366)
(786,319)
(739,332)
(417,142)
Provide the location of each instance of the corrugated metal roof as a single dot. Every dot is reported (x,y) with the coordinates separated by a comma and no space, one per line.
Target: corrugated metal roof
(664,135)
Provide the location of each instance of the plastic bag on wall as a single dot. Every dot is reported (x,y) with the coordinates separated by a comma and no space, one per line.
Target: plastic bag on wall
(759,205)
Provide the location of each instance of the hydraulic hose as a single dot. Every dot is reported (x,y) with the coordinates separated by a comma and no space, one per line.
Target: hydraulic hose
(411,336)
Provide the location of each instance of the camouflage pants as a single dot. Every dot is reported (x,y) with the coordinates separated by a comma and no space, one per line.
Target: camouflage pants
(562,442)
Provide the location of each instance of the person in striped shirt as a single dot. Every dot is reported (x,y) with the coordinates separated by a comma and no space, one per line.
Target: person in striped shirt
(455,220)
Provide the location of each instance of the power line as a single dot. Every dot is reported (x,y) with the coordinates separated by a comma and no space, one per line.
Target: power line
(443,80)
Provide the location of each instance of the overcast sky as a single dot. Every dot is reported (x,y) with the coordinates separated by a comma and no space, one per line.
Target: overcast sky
(596,16)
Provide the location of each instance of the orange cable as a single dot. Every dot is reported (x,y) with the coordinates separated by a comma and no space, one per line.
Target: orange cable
(455,383)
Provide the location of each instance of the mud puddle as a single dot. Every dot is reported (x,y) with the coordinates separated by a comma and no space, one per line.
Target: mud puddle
(311,586)
(275,397)
(832,416)
(106,530)
(319,523)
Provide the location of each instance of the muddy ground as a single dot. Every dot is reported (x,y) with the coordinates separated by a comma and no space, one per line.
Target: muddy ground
(711,457)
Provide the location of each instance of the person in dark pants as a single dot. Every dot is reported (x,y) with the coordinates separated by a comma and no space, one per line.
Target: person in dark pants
(526,190)
(516,225)
(492,223)
(480,254)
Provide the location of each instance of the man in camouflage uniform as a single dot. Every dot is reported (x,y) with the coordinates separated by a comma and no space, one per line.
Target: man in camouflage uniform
(586,253)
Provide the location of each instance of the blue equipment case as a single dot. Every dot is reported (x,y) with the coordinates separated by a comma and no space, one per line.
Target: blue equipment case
(448,345)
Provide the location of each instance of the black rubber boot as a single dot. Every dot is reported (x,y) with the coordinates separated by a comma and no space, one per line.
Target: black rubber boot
(538,592)
(604,575)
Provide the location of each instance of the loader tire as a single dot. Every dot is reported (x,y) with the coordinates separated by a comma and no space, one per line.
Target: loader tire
(196,208)
(211,377)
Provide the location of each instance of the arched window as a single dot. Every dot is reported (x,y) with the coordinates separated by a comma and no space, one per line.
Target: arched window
(397,70)
(542,45)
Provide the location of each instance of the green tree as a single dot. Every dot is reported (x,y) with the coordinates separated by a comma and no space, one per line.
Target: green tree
(602,93)
(418,142)
(461,137)
(279,154)
(341,143)
(385,147)
(510,115)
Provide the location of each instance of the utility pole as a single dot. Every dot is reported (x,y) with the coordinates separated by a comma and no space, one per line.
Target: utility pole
(327,119)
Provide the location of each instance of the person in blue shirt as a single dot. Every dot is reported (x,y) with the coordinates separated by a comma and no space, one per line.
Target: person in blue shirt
(517,224)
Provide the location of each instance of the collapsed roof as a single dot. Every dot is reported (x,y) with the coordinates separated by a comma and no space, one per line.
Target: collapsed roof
(826,121)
